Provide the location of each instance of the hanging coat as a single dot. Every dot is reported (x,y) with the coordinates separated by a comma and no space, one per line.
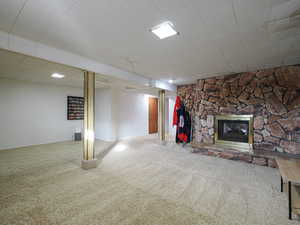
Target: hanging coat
(176,107)
(188,126)
(183,131)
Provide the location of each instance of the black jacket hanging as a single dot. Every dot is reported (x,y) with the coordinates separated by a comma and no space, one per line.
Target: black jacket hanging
(183,131)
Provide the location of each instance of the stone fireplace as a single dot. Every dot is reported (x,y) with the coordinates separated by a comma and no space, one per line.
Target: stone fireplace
(272,96)
(234,131)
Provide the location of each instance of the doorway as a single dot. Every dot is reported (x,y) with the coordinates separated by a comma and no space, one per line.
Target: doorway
(153,115)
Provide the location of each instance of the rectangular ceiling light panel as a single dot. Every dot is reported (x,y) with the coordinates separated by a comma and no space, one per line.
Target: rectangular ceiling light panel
(164,30)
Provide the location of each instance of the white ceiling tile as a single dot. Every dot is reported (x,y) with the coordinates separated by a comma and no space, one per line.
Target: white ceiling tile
(8,11)
(251,15)
(234,52)
(284,9)
(216,37)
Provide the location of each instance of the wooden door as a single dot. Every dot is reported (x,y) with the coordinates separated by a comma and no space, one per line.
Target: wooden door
(153,115)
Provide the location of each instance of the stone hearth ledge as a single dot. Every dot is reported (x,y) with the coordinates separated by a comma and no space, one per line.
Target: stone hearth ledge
(258,157)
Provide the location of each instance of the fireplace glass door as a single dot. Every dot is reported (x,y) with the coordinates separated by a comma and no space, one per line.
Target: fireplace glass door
(233,130)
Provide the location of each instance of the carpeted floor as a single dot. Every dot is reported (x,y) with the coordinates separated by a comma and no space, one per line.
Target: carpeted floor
(138,182)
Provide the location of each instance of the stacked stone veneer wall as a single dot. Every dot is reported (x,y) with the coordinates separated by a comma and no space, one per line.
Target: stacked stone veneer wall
(271,95)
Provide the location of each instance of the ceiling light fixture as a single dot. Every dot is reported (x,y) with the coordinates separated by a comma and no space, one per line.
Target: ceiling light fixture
(57,75)
(164,30)
(171,81)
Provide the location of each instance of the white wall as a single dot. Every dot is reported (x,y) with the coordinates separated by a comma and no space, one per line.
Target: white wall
(172,130)
(124,114)
(120,114)
(103,114)
(107,114)
(133,115)
(33,113)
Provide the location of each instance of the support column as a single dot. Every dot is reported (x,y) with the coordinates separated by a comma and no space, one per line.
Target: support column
(89,161)
(162,116)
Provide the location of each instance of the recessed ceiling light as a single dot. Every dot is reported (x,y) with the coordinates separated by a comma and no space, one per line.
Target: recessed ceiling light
(164,30)
(171,81)
(57,75)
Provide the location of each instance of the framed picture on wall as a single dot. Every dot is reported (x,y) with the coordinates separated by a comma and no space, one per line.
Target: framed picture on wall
(75,108)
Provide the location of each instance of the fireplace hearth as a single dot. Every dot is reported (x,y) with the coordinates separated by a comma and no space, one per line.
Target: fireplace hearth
(235,131)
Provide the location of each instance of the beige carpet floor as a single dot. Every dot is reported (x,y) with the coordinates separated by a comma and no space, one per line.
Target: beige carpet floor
(138,182)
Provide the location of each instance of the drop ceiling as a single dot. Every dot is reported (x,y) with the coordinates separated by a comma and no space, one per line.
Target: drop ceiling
(216,37)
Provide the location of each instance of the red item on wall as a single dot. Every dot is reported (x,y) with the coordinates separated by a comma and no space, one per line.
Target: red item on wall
(176,107)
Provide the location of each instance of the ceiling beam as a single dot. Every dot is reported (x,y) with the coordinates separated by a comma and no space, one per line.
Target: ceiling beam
(39,50)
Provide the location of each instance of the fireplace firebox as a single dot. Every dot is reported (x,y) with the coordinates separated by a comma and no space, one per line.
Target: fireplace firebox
(235,131)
